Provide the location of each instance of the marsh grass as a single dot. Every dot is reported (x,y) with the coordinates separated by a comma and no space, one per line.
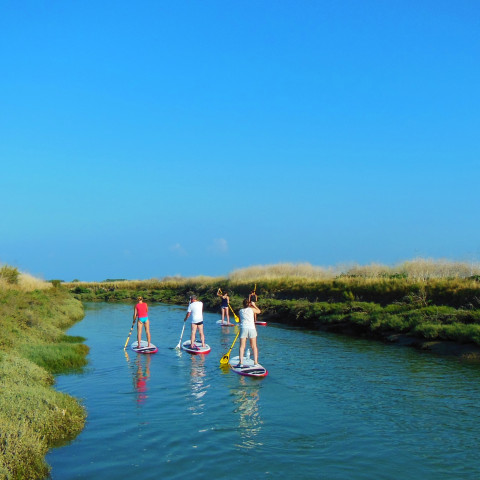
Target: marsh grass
(421,297)
(57,357)
(33,346)
(417,269)
(13,279)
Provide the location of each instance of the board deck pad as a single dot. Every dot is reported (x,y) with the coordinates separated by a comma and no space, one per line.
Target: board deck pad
(219,322)
(144,348)
(196,351)
(248,370)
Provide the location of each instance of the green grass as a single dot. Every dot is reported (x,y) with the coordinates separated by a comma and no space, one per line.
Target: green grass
(422,299)
(33,346)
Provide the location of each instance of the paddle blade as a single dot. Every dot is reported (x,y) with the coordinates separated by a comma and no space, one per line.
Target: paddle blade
(236,318)
(224,360)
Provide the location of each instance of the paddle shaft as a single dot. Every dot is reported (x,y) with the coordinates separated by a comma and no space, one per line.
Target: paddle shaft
(226,357)
(180,341)
(131,330)
(229,306)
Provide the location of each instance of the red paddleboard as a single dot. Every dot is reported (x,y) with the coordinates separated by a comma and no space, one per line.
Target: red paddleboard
(260,322)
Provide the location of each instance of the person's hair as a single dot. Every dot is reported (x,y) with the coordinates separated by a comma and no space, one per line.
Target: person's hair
(140,298)
(246,302)
(193,297)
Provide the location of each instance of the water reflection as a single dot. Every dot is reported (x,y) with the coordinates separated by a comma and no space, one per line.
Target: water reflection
(198,385)
(250,422)
(141,375)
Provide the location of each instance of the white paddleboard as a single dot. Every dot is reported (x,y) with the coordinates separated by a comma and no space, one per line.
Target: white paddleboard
(144,348)
(219,322)
(248,370)
(197,349)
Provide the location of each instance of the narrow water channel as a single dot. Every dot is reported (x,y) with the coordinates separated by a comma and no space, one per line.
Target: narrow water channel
(332,407)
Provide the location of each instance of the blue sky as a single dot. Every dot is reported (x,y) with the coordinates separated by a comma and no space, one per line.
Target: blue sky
(152,138)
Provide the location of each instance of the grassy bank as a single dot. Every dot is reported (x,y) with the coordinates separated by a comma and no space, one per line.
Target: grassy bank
(420,300)
(33,416)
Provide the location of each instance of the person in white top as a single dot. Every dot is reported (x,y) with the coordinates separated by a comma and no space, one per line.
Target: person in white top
(195,310)
(248,330)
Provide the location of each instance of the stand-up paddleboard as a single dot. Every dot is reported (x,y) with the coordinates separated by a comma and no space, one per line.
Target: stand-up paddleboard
(219,322)
(197,349)
(248,370)
(260,322)
(144,348)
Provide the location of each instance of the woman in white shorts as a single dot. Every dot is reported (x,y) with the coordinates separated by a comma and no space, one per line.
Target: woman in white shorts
(248,330)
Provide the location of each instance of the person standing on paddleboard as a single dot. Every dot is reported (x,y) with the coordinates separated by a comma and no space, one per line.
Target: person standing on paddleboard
(248,330)
(253,297)
(140,313)
(224,305)
(195,310)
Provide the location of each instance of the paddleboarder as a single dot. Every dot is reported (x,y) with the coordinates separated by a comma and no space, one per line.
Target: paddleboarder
(253,297)
(248,330)
(195,310)
(140,313)
(224,305)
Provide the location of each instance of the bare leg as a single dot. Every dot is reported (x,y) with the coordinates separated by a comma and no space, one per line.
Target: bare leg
(139,333)
(228,315)
(241,351)
(192,338)
(147,330)
(202,336)
(253,343)
(223,315)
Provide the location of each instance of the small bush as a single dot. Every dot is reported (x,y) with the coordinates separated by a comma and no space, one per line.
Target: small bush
(9,274)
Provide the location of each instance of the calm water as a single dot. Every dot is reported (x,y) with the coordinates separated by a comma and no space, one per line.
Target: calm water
(331,408)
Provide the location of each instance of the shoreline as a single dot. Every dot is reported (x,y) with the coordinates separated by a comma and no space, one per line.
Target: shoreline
(441,316)
(463,351)
(34,416)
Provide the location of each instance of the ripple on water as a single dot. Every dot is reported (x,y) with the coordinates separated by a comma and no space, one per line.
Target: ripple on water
(332,407)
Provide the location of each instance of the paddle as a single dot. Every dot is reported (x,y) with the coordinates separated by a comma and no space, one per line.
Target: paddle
(234,314)
(180,341)
(128,338)
(183,328)
(224,360)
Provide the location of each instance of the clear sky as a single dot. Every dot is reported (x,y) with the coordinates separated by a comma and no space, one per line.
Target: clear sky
(141,139)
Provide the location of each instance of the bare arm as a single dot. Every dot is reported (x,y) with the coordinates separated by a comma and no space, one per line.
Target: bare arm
(255,308)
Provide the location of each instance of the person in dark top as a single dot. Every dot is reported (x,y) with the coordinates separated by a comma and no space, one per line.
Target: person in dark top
(224,306)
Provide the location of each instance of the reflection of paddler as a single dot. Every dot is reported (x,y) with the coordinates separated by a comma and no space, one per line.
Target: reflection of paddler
(197,384)
(250,422)
(141,378)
